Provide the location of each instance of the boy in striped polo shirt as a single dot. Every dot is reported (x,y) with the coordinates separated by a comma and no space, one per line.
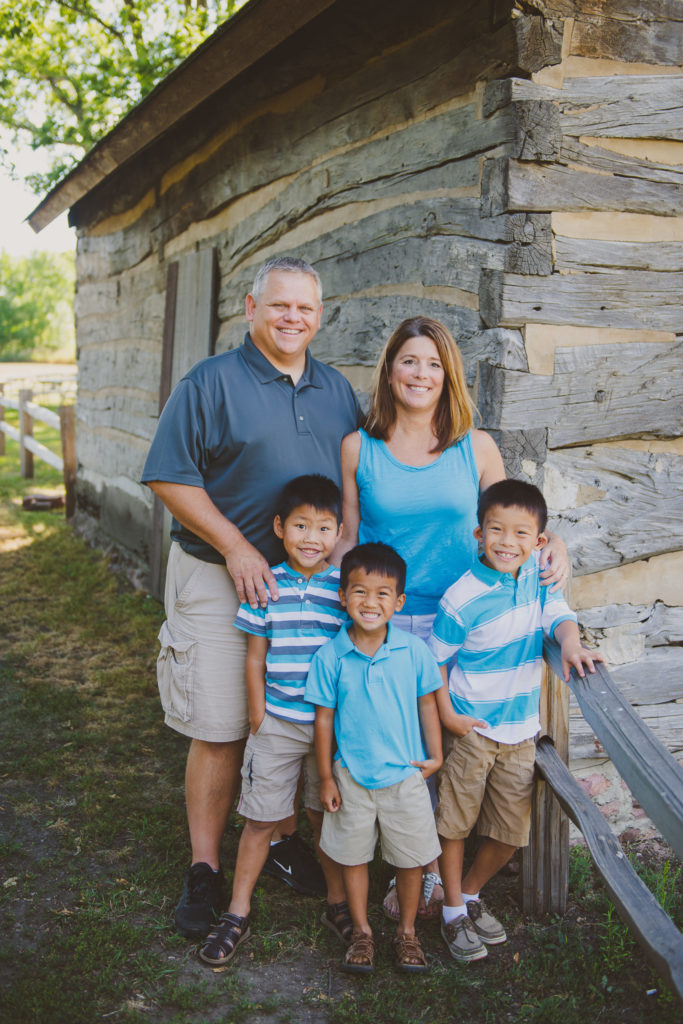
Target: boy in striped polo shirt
(283,637)
(489,629)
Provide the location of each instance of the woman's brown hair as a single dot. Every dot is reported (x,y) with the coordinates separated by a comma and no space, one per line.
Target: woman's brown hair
(454,414)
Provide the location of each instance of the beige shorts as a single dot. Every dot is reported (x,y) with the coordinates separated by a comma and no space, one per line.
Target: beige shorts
(200,668)
(273,760)
(489,785)
(401,814)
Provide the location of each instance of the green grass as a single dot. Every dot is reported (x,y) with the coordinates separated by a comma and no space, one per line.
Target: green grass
(93,844)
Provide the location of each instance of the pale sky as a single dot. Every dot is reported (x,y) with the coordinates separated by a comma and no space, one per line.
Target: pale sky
(18,238)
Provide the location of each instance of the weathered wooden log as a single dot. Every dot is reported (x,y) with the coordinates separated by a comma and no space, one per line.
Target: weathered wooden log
(664,722)
(619,106)
(591,395)
(656,933)
(643,300)
(649,770)
(512,185)
(586,254)
(544,875)
(602,495)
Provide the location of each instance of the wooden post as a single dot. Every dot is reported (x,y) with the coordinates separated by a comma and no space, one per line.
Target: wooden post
(2,417)
(25,430)
(67,429)
(544,874)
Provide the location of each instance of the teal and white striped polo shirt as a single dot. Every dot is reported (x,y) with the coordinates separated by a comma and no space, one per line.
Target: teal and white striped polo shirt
(490,628)
(306,615)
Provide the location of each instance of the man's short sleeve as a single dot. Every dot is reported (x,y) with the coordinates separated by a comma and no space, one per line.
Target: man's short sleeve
(178,451)
(321,682)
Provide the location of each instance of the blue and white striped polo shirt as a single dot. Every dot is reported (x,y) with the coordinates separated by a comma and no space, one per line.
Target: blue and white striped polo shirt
(306,615)
(493,625)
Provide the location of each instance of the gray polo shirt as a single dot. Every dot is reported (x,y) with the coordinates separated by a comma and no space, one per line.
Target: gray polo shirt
(238,427)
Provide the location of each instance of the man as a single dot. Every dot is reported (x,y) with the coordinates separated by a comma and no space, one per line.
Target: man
(235,430)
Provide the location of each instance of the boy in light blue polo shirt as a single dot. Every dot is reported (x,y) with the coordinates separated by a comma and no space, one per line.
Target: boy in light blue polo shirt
(374,686)
(283,638)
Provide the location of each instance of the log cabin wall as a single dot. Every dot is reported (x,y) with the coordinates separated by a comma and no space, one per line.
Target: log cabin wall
(511,170)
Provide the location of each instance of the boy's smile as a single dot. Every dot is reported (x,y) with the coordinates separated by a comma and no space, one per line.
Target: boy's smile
(371,599)
(508,536)
(309,536)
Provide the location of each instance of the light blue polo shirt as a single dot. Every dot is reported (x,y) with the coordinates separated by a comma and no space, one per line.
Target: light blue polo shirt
(241,429)
(376,721)
(307,614)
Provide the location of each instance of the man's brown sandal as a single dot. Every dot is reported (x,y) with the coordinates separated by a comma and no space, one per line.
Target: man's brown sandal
(360,956)
(337,918)
(221,944)
(409,954)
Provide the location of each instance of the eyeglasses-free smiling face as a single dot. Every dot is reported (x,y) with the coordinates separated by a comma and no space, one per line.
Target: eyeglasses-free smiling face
(417,374)
(285,318)
(370,599)
(309,536)
(508,536)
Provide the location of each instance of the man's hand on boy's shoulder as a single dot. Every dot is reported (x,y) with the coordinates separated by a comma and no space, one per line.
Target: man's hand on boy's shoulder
(575,655)
(428,766)
(330,797)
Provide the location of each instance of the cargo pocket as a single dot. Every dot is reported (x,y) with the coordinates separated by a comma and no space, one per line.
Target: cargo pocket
(176,666)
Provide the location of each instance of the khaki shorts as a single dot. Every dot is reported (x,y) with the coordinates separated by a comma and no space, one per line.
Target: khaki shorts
(273,759)
(401,814)
(489,785)
(200,668)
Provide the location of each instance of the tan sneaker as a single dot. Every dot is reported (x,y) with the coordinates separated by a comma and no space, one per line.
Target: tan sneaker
(462,940)
(488,928)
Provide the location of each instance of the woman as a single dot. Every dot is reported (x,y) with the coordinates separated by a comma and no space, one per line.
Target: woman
(412,478)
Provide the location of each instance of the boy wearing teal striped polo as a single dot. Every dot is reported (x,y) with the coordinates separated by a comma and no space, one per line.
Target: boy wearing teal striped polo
(489,629)
(283,637)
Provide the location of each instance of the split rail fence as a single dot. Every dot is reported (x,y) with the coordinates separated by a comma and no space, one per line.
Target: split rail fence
(654,777)
(64,421)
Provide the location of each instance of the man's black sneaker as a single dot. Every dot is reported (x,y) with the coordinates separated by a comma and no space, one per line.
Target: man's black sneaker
(202,901)
(294,863)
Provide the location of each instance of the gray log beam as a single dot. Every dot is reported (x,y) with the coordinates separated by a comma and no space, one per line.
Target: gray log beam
(649,770)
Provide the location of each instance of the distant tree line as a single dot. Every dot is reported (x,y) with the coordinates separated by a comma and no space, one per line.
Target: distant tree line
(37,307)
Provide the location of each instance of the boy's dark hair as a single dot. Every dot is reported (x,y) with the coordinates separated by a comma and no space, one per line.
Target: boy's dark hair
(314,489)
(514,494)
(374,557)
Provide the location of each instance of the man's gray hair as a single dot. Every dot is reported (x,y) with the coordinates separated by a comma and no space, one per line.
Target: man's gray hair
(290,265)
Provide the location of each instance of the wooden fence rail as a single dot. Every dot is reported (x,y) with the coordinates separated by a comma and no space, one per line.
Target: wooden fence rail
(64,421)
(656,780)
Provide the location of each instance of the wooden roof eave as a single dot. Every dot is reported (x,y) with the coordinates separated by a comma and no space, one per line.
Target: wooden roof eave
(246,37)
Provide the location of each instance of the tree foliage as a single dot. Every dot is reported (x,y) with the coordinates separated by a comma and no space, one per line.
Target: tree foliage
(73,68)
(36,306)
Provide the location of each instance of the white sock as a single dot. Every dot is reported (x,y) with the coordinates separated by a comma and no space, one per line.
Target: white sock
(450,913)
(467,897)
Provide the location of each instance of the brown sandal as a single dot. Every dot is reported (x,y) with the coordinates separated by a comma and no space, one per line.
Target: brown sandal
(409,954)
(221,944)
(337,918)
(362,948)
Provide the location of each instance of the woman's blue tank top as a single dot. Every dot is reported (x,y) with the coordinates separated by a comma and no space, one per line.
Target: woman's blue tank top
(427,513)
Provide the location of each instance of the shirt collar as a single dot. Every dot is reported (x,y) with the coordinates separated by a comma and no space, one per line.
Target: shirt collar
(491,576)
(395,640)
(266,372)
